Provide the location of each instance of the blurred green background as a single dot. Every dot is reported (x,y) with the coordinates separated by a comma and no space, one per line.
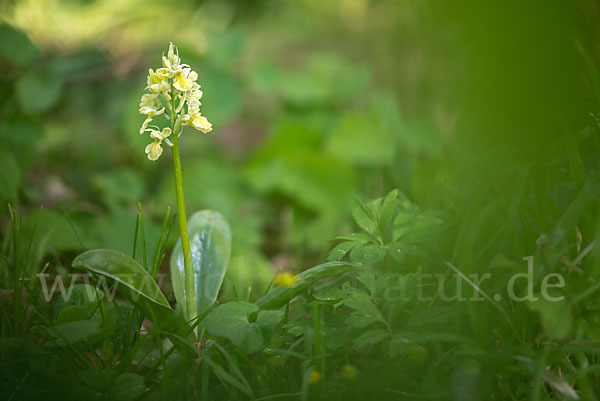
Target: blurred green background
(474,108)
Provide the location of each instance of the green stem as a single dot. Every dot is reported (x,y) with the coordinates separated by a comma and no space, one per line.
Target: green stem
(190,289)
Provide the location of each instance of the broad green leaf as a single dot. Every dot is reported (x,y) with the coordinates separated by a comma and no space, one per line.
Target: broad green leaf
(232,320)
(16,46)
(71,332)
(279,296)
(210,240)
(73,313)
(38,91)
(127,387)
(134,283)
(555,316)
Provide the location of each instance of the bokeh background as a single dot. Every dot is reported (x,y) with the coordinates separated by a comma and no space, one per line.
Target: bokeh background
(459,104)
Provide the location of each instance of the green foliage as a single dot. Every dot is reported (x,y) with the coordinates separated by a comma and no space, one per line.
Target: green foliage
(281,295)
(477,144)
(210,239)
(134,283)
(394,228)
(243,324)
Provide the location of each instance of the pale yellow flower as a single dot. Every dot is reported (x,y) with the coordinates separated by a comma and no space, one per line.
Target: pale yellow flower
(154,149)
(182,83)
(172,87)
(158,81)
(200,123)
(149,105)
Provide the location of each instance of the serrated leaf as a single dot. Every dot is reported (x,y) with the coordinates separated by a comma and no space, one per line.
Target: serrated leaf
(355,237)
(412,227)
(388,208)
(366,312)
(210,240)
(363,217)
(328,294)
(340,250)
(367,278)
(370,337)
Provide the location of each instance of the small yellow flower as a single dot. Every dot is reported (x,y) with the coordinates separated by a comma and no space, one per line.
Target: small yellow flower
(315,377)
(349,372)
(154,149)
(201,123)
(182,83)
(185,80)
(158,81)
(285,279)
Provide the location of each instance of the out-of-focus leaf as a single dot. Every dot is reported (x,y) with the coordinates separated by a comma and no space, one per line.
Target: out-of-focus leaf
(111,186)
(361,141)
(420,137)
(370,337)
(38,91)
(72,331)
(16,46)
(127,387)
(231,320)
(410,227)
(324,78)
(21,134)
(365,311)
(222,101)
(10,177)
(292,163)
(328,294)
(210,240)
(555,316)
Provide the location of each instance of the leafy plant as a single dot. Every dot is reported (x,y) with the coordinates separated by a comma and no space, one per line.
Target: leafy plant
(392,227)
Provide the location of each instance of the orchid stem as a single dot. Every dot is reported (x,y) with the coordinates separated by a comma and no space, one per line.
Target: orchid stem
(190,289)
